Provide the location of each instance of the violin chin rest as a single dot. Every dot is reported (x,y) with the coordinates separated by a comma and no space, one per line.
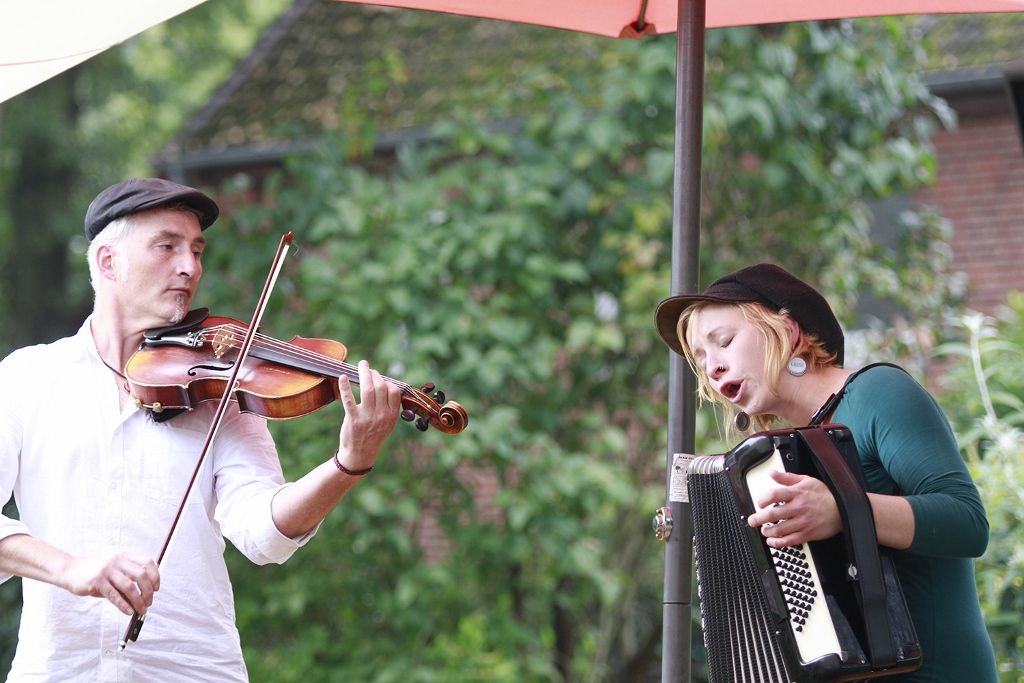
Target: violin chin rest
(191,320)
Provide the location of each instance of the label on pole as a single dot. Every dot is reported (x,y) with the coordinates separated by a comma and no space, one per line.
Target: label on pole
(677,491)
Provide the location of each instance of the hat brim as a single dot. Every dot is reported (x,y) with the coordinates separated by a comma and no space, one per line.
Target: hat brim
(194,199)
(666,317)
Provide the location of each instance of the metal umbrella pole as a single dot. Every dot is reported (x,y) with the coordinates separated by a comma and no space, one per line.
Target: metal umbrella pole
(676,622)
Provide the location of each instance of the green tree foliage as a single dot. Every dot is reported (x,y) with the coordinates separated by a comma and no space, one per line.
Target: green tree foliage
(985,386)
(801,136)
(519,271)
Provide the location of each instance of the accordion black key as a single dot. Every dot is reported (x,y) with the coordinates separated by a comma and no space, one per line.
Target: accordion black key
(824,611)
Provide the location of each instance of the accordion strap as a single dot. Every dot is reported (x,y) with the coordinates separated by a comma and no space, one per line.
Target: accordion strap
(862,543)
(830,405)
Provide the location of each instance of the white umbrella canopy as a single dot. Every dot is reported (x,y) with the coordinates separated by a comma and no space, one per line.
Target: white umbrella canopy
(41,38)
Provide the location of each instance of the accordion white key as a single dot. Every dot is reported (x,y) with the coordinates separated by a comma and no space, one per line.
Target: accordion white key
(822,612)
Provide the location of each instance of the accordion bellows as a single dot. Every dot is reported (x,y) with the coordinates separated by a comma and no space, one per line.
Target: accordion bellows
(822,612)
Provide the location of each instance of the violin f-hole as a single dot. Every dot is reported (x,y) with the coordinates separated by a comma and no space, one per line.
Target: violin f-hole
(217,367)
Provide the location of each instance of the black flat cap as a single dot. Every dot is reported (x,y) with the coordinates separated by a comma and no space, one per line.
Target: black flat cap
(770,286)
(139,194)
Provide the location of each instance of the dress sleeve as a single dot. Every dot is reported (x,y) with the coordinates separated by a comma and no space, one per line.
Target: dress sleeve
(11,422)
(903,434)
(248,476)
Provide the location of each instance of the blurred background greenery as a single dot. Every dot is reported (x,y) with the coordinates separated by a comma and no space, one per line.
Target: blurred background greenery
(517,268)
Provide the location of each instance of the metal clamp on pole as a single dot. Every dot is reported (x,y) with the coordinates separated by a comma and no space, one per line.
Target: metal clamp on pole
(663,523)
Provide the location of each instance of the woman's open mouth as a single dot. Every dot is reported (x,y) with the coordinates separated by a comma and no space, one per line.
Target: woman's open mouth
(731,390)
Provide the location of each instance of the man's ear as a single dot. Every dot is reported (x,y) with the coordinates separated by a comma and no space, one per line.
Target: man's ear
(794,331)
(105,262)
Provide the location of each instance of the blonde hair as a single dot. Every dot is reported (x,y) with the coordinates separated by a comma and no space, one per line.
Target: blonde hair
(774,331)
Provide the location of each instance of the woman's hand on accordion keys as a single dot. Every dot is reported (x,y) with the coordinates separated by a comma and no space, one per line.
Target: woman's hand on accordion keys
(802,509)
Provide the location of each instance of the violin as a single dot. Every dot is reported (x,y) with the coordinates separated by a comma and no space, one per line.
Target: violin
(180,366)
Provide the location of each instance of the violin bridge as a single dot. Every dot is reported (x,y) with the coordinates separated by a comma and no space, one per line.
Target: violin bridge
(222,341)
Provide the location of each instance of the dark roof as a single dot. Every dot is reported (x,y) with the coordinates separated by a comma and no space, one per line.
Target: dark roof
(406,67)
(961,41)
(970,60)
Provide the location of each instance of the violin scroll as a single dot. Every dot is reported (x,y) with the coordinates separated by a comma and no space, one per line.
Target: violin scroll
(427,410)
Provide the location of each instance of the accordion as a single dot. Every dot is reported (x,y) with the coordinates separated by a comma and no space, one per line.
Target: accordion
(823,611)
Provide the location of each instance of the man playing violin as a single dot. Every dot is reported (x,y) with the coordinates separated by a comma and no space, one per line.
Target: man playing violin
(97,493)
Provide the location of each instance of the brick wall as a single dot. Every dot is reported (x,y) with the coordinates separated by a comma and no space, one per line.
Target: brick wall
(980,188)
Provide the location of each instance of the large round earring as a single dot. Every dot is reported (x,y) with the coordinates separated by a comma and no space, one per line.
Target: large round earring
(797,366)
(741,421)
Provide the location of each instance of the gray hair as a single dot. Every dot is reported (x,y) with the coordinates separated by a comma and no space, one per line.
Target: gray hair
(113,236)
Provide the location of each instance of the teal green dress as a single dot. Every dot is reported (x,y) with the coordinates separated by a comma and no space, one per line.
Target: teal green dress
(907,448)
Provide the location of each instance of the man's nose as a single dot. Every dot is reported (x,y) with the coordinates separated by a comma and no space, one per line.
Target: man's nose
(188,265)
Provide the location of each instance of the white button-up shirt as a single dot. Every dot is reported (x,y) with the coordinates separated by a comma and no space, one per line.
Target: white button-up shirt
(92,479)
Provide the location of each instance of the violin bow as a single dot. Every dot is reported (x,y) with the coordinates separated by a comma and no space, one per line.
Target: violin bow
(135,625)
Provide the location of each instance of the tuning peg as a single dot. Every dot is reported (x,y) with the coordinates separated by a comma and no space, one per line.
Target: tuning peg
(428,387)
(422,424)
(408,415)
(439,396)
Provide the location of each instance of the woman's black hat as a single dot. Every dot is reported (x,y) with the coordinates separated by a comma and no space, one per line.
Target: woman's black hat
(770,286)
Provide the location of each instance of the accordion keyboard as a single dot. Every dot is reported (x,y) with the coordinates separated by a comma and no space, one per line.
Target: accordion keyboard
(798,577)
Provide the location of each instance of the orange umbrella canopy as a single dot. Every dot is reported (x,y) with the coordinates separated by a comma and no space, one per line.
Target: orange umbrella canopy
(617,18)
(42,38)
